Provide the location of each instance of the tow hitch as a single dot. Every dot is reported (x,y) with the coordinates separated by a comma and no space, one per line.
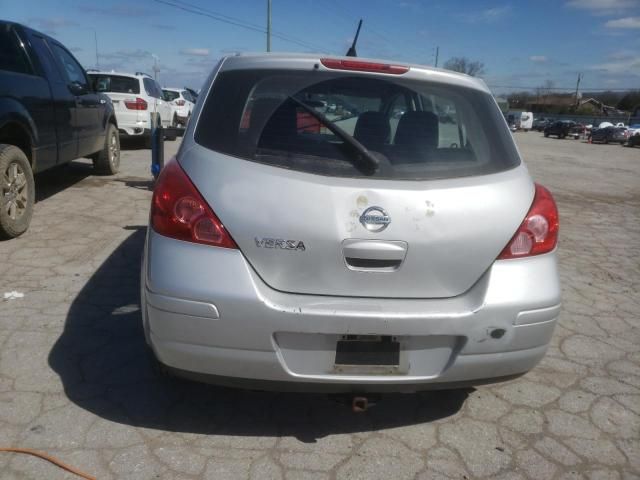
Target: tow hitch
(358,403)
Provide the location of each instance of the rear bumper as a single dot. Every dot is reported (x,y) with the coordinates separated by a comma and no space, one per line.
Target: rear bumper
(208,324)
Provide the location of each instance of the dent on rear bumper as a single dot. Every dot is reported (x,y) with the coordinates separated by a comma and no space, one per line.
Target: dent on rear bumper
(207,311)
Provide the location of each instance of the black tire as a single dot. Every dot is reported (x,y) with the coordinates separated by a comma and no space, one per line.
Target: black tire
(170,134)
(546,135)
(17,192)
(107,160)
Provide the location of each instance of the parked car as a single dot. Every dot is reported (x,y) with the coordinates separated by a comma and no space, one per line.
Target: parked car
(540,124)
(194,94)
(609,134)
(634,129)
(137,101)
(49,115)
(271,261)
(181,103)
(633,139)
(560,128)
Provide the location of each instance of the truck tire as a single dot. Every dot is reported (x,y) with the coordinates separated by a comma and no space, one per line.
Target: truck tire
(171,134)
(107,160)
(17,192)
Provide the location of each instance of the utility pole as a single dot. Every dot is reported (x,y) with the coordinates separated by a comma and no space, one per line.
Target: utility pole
(268,25)
(95,37)
(156,69)
(577,87)
(437,52)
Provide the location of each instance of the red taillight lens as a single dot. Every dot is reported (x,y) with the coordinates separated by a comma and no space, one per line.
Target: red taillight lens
(180,103)
(357,65)
(179,211)
(538,233)
(137,104)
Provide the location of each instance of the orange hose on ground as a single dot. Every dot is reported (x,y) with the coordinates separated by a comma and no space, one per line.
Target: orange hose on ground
(51,459)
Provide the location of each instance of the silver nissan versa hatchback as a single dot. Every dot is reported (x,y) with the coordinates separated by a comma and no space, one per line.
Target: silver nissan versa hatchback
(348,225)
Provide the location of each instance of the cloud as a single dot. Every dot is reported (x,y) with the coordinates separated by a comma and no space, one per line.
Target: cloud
(603,7)
(127,54)
(489,15)
(195,52)
(623,54)
(51,25)
(538,58)
(626,65)
(626,23)
(118,10)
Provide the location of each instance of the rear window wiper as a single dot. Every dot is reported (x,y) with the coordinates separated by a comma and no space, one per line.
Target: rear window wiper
(366,159)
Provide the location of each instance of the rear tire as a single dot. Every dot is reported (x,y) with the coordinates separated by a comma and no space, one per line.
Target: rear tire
(171,137)
(107,160)
(17,192)
(546,135)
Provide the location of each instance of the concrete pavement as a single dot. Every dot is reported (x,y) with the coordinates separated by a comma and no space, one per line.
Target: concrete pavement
(75,381)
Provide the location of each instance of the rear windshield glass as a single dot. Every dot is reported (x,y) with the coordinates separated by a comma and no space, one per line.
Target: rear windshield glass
(170,95)
(413,129)
(115,83)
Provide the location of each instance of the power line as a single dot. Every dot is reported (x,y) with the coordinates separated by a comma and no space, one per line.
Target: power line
(196,10)
(279,34)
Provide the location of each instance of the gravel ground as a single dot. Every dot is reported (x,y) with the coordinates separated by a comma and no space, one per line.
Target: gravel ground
(75,382)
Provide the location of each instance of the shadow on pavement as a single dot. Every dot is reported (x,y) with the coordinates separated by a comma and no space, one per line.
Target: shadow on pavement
(133,144)
(137,182)
(57,179)
(102,360)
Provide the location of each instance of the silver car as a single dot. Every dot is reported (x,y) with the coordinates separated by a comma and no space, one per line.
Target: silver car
(393,241)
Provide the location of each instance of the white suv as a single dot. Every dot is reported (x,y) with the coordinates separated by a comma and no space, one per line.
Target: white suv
(182,104)
(137,99)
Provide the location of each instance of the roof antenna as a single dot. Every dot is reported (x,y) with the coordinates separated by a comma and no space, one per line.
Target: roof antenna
(352,49)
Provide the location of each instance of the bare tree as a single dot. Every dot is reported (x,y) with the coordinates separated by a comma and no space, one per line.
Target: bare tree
(464,65)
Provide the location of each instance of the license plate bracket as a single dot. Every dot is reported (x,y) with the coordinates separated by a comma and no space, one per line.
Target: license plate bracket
(367,351)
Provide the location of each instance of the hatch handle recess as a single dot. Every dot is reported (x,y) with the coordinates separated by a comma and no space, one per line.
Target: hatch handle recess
(374,255)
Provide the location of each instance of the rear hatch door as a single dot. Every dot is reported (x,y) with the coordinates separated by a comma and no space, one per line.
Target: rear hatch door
(447,197)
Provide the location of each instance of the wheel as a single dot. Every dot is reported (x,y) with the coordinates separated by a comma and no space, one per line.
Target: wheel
(546,134)
(17,192)
(107,160)
(605,141)
(170,134)
(174,122)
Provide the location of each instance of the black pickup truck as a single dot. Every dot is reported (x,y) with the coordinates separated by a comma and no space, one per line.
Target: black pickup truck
(49,115)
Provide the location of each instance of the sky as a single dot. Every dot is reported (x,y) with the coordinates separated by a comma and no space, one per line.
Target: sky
(523,44)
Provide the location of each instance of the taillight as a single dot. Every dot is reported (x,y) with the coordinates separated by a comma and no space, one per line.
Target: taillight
(360,66)
(180,103)
(137,104)
(538,233)
(179,211)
